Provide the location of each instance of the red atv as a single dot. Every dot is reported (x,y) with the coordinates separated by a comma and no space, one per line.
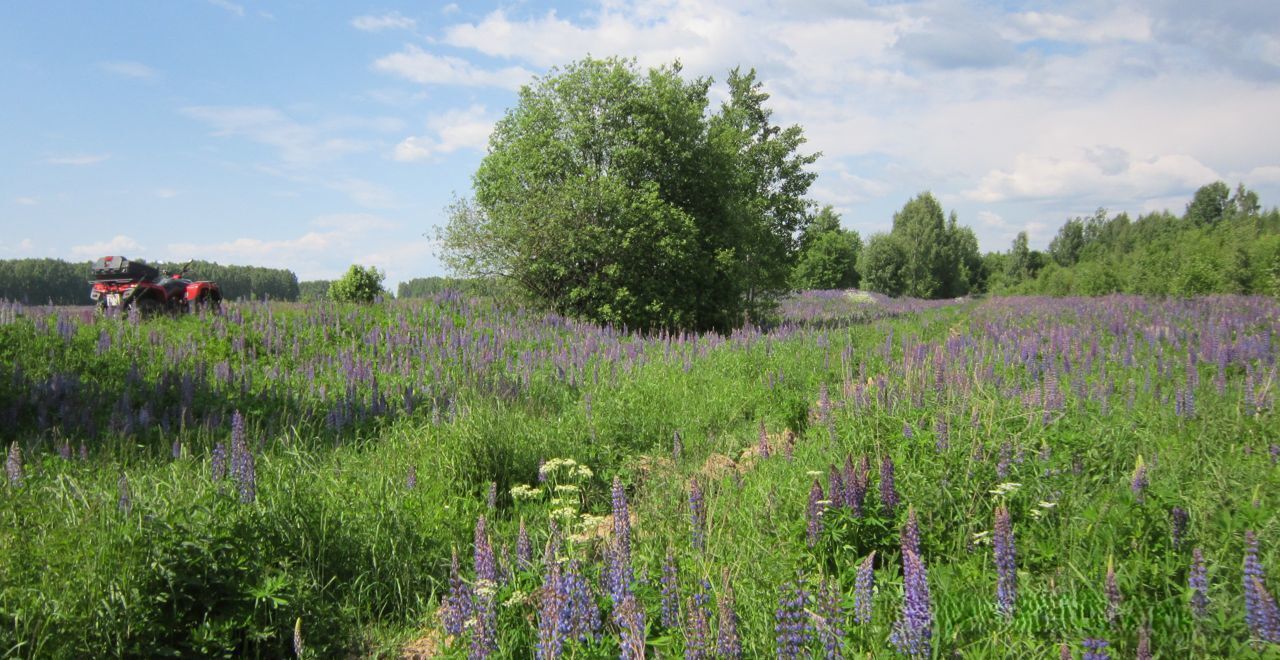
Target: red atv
(119,282)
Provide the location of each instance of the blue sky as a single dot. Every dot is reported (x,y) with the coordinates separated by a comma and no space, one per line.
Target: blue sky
(314,135)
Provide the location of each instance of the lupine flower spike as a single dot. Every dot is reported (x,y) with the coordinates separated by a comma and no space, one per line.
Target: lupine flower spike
(1112,589)
(1138,484)
(727,643)
(864,590)
(1006,562)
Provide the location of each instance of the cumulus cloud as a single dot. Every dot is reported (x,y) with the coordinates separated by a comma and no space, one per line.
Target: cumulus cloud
(321,252)
(388,21)
(448,132)
(119,244)
(26,201)
(1048,177)
(420,66)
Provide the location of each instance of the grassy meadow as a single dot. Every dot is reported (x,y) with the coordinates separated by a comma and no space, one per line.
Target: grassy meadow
(864,477)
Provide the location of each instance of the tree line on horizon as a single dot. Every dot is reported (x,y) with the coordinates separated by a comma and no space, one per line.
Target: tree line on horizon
(60,282)
(1223,243)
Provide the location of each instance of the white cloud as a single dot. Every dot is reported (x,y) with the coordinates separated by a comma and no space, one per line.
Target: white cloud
(166,193)
(127,69)
(297,144)
(365,193)
(1048,177)
(119,244)
(322,252)
(77,159)
(229,6)
(1121,24)
(425,68)
(388,21)
(26,201)
(1265,174)
(448,132)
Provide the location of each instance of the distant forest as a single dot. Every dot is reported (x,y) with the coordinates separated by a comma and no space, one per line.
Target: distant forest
(41,281)
(1223,243)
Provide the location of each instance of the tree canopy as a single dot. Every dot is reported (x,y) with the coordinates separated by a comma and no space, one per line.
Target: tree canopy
(828,256)
(925,255)
(359,284)
(612,194)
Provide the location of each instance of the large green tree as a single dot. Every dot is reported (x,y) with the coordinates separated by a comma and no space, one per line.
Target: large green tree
(828,254)
(610,193)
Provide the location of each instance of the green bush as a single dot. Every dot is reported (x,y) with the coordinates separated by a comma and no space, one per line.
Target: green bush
(358,285)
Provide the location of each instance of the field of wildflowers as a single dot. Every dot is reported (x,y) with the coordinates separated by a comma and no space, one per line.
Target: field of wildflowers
(1016,477)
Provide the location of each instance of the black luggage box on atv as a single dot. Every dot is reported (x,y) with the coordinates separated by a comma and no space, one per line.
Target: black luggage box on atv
(120,268)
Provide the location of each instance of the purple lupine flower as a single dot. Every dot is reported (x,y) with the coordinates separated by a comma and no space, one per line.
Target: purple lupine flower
(813,513)
(907,431)
(864,590)
(542,472)
(176,449)
(1095,649)
(580,619)
(630,617)
(1261,612)
(64,450)
(727,643)
(835,486)
(888,493)
(457,605)
(763,446)
(13,464)
(855,484)
(298,648)
(84,451)
(1178,519)
(1138,484)
(831,619)
(941,433)
(483,558)
(1144,643)
(1275,453)
(411,477)
(1112,589)
(697,635)
(1006,562)
(1006,458)
(913,632)
(484,636)
(1064,651)
(792,626)
(670,591)
(1198,582)
(125,503)
(491,496)
(524,549)
(619,568)
(552,602)
(218,465)
(677,446)
(697,514)
(909,537)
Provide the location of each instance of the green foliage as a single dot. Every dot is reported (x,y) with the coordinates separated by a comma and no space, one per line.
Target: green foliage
(358,285)
(40,281)
(1223,244)
(929,256)
(882,264)
(427,287)
(611,194)
(314,290)
(828,255)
